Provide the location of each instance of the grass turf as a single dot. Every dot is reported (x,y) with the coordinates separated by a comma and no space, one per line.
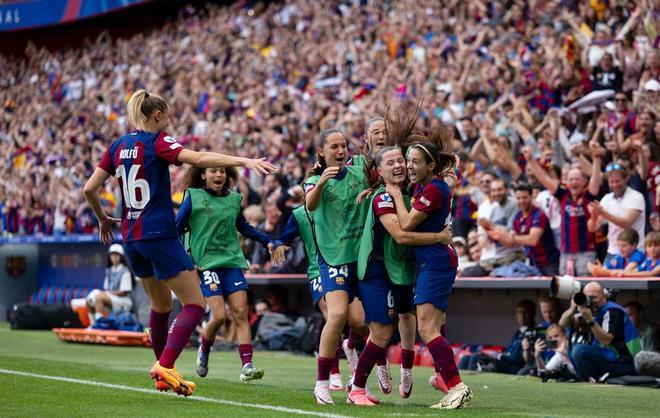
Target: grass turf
(288,383)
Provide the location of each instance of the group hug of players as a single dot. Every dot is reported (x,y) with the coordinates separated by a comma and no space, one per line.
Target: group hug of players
(374,226)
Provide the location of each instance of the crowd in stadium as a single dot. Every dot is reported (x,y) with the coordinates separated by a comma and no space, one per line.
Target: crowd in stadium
(263,82)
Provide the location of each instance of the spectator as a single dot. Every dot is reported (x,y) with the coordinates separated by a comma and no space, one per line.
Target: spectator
(277,298)
(629,258)
(560,348)
(550,312)
(578,245)
(611,338)
(260,256)
(261,307)
(531,228)
(117,287)
(622,208)
(648,333)
(650,267)
(500,212)
(511,360)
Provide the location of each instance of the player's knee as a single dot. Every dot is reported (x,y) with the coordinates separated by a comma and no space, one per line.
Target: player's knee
(337,317)
(426,329)
(239,313)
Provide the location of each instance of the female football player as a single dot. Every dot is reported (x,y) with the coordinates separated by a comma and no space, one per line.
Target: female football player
(140,161)
(210,217)
(387,274)
(436,263)
(331,192)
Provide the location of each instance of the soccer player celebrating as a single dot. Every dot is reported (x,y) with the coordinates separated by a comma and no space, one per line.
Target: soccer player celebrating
(140,161)
(436,263)
(211,216)
(331,191)
(387,275)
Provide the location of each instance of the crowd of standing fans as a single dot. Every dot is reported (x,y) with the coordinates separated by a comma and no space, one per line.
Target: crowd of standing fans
(554,107)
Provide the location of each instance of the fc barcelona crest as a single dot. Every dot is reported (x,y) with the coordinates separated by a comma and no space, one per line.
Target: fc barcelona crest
(15,265)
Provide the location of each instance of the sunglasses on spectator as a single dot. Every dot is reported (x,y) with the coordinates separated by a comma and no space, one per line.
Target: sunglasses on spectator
(612,167)
(620,99)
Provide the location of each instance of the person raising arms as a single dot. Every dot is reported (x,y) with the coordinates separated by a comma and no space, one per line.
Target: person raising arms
(140,161)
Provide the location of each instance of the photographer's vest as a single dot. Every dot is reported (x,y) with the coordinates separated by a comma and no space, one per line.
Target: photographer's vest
(630,334)
(307,237)
(338,220)
(213,240)
(400,266)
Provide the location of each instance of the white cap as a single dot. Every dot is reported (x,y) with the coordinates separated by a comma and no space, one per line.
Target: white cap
(116,248)
(652,85)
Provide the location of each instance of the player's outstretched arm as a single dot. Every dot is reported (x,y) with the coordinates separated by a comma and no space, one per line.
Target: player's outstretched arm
(214,159)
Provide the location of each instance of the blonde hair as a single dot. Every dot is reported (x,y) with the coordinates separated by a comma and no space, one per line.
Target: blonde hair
(142,105)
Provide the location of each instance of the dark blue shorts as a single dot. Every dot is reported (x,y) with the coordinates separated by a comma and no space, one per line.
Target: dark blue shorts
(163,258)
(338,278)
(434,286)
(222,281)
(316,290)
(383,300)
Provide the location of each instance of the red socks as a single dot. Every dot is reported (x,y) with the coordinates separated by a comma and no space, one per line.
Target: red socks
(179,334)
(158,331)
(443,357)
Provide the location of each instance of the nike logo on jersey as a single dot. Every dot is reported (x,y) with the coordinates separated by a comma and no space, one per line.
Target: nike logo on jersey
(237,283)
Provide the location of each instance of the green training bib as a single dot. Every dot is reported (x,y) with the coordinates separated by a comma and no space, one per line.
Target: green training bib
(398,261)
(338,220)
(214,240)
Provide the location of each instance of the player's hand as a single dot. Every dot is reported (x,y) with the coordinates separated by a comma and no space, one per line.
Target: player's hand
(105,230)
(278,255)
(260,166)
(393,190)
(445,236)
(328,173)
(363,195)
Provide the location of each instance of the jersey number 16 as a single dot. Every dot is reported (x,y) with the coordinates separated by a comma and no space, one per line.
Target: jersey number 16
(130,185)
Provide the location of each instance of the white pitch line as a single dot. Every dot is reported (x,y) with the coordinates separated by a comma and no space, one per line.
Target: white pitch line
(154,392)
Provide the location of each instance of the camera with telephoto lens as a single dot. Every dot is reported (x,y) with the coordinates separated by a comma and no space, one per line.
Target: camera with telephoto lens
(567,288)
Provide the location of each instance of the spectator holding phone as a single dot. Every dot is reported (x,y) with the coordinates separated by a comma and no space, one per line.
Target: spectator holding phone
(557,341)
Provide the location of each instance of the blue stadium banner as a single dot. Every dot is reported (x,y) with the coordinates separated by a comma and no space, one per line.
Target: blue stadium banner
(29,14)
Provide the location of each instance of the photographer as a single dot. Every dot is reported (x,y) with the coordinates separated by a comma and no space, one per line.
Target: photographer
(557,341)
(613,341)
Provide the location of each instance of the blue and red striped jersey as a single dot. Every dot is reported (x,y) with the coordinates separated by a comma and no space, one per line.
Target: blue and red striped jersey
(463,207)
(575,237)
(434,200)
(545,251)
(140,162)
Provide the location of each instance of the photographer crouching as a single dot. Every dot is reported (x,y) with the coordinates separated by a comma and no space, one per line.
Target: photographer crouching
(610,339)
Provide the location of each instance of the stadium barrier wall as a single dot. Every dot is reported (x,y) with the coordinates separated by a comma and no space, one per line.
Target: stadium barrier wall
(481,309)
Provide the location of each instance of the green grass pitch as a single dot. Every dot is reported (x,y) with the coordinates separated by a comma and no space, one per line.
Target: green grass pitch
(26,357)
